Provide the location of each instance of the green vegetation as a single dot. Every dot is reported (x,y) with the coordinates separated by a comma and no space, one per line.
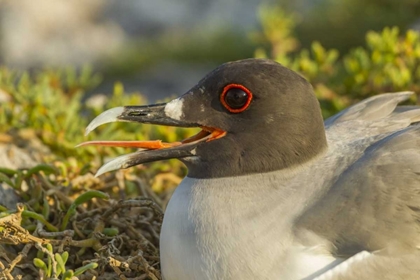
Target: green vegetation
(185,47)
(389,62)
(343,24)
(49,104)
(67,226)
(66,209)
(70,230)
(56,264)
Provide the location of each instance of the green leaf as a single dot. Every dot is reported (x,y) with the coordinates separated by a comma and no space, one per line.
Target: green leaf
(40,264)
(82,269)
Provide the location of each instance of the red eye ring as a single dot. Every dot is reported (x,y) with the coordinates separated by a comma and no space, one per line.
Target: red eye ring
(238,86)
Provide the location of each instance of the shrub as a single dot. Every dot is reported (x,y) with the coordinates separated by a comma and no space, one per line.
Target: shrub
(49,104)
(389,62)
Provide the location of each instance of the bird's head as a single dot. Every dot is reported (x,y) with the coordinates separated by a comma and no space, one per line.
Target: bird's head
(255,114)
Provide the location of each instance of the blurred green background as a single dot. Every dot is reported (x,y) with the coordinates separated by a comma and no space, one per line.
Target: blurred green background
(64,62)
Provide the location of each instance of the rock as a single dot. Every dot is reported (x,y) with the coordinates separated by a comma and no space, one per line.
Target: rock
(11,157)
(28,154)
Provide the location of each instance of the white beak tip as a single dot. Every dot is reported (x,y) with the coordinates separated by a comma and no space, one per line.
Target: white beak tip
(108,116)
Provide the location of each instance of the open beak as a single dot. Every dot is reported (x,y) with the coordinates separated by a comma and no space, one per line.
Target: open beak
(152,150)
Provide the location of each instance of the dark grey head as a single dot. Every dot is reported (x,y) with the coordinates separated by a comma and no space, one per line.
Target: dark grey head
(256,116)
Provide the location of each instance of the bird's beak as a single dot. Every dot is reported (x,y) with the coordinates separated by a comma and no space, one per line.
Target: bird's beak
(152,150)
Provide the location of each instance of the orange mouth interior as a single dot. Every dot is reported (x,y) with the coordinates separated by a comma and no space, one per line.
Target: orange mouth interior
(206,134)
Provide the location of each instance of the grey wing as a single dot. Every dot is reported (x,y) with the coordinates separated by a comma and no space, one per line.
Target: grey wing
(374,206)
(373,108)
(372,119)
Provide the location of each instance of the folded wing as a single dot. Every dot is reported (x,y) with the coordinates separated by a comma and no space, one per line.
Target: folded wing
(373,208)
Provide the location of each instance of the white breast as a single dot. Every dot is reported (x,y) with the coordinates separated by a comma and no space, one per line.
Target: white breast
(179,255)
(226,229)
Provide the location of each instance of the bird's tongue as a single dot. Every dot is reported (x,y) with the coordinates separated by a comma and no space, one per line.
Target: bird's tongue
(204,135)
(149,145)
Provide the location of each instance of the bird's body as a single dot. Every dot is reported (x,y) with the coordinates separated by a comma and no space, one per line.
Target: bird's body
(254,226)
(275,193)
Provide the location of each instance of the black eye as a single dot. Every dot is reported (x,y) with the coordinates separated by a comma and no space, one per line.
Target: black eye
(236,98)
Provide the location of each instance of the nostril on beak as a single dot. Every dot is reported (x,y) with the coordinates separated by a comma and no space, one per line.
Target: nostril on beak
(138,114)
